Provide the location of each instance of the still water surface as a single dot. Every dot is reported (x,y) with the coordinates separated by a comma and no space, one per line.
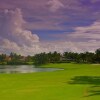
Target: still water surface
(24,69)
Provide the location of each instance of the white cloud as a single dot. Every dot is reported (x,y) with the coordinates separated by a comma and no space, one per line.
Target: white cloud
(88,37)
(12,28)
(55,5)
(12,34)
(62,46)
(87,32)
(15,38)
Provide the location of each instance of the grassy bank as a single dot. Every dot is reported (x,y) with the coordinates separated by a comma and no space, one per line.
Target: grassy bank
(75,82)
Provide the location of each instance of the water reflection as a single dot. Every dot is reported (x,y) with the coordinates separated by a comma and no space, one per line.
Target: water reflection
(24,69)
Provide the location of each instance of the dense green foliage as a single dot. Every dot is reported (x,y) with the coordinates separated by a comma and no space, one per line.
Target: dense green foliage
(15,59)
(75,82)
(44,58)
(54,57)
(86,57)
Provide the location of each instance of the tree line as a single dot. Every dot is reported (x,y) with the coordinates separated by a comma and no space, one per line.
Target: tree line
(15,59)
(51,57)
(86,57)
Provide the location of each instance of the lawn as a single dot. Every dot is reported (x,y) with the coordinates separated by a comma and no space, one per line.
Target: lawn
(75,82)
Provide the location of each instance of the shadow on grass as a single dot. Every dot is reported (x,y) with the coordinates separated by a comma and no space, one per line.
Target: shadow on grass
(94,81)
(95,93)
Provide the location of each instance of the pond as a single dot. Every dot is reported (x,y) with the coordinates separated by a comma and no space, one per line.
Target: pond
(24,69)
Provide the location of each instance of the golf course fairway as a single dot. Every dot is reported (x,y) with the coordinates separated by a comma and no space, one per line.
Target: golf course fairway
(75,82)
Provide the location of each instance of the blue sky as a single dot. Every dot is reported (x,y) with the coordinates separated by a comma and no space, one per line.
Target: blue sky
(34,26)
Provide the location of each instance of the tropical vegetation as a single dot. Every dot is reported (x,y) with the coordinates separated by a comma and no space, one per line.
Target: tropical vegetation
(51,57)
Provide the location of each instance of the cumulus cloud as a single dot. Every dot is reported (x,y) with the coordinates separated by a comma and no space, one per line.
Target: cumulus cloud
(12,28)
(13,36)
(55,5)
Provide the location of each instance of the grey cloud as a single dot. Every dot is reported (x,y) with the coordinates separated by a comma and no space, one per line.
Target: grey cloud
(55,5)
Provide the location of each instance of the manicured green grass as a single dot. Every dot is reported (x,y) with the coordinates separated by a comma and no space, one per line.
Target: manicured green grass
(75,82)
